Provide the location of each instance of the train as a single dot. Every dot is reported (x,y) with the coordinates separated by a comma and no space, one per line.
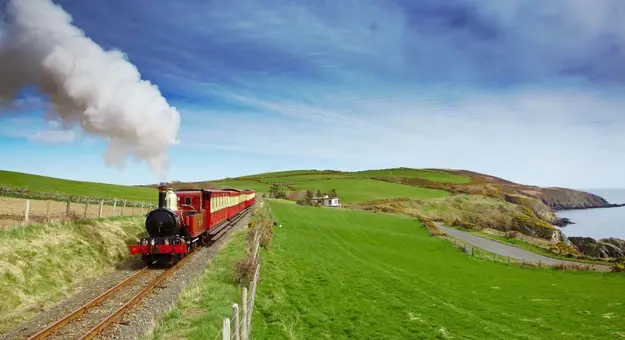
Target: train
(188,218)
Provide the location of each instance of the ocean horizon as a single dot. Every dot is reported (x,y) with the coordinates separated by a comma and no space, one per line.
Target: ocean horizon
(598,223)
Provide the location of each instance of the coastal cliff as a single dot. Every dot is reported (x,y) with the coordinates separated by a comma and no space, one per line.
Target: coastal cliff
(536,206)
(553,197)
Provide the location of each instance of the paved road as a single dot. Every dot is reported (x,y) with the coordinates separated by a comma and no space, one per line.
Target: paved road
(504,249)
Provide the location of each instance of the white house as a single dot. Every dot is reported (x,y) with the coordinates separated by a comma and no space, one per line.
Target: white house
(327,201)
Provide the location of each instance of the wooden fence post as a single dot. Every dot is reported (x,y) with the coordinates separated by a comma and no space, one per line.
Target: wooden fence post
(252,298)
(123,207)
(133,209)
(27,211)
(101,207)
(86,207)
(244,315)
(235,320)
(47,209)
(142,211)
(67,208)
(114,206)
(226,329)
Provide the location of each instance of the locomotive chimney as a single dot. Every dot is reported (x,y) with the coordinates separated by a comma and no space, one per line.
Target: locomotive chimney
(162,189)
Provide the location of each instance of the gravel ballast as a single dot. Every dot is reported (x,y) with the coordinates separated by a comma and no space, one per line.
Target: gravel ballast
(140,318)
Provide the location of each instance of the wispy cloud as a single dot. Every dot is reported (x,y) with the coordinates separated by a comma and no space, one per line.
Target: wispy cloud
(528,90)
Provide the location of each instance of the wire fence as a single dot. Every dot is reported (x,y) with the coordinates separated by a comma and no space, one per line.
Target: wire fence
(555,264)
(20,211)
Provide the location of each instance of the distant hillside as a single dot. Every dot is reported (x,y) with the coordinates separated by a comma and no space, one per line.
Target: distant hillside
(453,181)
(19,184)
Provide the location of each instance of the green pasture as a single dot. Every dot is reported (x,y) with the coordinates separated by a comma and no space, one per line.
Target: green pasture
(36,183)
(358,190)
(431,175)
(342,274)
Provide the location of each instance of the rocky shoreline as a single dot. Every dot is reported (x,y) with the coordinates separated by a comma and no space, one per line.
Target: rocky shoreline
(606,248)
(608,205)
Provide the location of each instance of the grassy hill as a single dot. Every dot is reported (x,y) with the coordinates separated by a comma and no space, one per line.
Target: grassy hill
(24,185)
(458,197)
(350,274)
(350,186)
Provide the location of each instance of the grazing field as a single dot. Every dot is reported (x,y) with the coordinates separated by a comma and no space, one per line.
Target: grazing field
(350,188)
(245,184)
(35,183)
(357,190)
(288,173)
(344,274)
(430,175)
(39,264)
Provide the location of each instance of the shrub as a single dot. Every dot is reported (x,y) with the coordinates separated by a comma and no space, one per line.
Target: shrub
(511,234)
(244,270)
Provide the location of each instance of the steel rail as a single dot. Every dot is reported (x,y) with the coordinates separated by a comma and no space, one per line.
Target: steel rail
(81,310)
(97,329)
(112,317)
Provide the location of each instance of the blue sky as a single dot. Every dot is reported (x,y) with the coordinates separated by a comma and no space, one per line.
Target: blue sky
(532,93)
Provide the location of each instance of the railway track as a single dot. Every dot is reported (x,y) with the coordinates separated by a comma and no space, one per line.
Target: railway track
(95,316)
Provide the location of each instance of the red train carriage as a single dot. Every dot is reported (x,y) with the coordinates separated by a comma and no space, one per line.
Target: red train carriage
(188,218)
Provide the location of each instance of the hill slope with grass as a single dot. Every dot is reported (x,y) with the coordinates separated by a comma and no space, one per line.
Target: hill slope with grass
(17,184)
(346,274)
(458,197)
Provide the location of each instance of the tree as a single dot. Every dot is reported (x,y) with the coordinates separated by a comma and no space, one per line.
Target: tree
(333,193)
(309,195)
(319,194)
(274,190)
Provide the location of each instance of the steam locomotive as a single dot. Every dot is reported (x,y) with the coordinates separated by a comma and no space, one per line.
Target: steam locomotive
(186,219)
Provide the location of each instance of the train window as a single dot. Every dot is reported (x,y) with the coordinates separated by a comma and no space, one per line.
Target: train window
(187,200)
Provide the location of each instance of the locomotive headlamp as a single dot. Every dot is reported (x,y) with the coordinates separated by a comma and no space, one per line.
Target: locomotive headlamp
(167,241)
(152,242)
(144,241)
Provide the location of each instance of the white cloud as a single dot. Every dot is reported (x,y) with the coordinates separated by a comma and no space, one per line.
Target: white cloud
(548,137)
(53,137)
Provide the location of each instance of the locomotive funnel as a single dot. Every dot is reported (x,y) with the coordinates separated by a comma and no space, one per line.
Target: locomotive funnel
(162,189)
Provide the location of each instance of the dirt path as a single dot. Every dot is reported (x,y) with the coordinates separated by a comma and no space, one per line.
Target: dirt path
(506,249)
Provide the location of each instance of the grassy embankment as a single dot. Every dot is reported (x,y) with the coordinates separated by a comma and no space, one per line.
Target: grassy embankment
(15,184)
(40,264)
(351,274)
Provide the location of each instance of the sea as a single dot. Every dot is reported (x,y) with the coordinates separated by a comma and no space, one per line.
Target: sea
(598,223)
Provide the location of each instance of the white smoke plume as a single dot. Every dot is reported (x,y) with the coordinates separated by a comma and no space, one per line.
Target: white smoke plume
(99,90)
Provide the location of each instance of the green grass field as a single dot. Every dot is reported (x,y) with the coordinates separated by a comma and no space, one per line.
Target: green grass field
(357,190)
(16,180)
(435,176)
(337,274)
(245,184)
(351,187)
